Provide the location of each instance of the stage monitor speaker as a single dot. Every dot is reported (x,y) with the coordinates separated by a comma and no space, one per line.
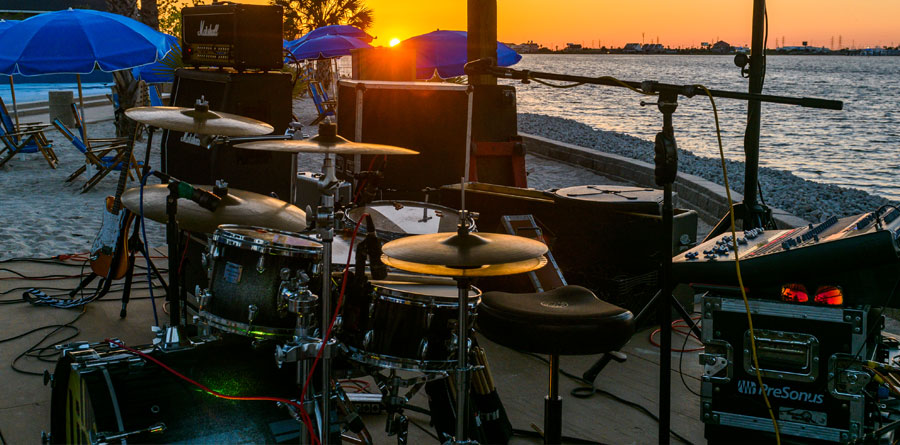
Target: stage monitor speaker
(430,118)
(262,96)
(233,34)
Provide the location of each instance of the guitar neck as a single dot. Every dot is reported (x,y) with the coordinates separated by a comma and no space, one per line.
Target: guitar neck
(123,178)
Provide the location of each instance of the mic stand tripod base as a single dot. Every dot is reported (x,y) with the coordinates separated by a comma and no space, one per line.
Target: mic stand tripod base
(172,338)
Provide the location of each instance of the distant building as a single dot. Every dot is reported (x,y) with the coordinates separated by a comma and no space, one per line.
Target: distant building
(20,9)
(653,48)
(632,48)
(721,47)
(573,47)
(525,48)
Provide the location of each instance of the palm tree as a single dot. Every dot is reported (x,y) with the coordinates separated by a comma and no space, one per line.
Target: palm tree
(302,16)
(128,8)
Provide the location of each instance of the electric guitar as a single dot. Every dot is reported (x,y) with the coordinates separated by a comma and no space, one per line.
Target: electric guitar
(113,237)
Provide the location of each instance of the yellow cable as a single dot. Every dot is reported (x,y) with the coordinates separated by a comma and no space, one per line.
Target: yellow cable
(737,266)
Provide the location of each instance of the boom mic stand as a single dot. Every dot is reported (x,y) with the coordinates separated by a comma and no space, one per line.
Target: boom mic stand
(666,160)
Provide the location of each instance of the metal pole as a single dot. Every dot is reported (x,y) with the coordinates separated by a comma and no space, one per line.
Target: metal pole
(754,213)
(462,371)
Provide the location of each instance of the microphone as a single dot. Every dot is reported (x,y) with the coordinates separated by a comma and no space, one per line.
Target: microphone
(373,250)
(480,66)
(203,198)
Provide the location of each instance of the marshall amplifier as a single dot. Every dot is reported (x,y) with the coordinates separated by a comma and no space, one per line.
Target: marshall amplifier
(235,35)
(812,361)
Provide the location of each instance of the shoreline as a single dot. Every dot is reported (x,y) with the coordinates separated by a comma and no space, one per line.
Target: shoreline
(808,200)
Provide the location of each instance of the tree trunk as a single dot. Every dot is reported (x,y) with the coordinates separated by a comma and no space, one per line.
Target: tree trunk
(129,91)
(128,8)
(150,13)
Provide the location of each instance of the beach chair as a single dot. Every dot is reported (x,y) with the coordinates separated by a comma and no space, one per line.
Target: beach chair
(99,142)
(324,106)
(105,158)
(155,97)
(27,138)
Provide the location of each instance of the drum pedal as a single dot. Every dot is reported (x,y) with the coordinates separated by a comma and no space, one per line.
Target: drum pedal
(366,403)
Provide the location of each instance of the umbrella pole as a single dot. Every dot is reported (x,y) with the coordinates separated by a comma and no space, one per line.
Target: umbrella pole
(12,91)
(83,120)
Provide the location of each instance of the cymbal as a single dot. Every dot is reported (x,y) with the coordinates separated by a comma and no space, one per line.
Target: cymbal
(326,142)
(469,255)
(199,121)
(239,207)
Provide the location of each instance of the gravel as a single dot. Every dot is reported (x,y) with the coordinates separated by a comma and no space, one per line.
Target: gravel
(806,199)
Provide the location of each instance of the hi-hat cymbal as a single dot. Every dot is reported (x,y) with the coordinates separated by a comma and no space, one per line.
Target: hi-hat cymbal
(239,207)
(199,121)
(469,255)
(326,142)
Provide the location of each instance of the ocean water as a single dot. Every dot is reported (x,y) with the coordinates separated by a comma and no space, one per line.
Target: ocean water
(857,147)
(34,92)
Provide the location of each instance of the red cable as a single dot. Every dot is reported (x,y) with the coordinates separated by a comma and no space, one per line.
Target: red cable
(205,388)
(675,327)
(337,308)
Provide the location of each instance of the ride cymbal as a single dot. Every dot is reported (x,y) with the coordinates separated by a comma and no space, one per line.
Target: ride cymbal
(326,142)
(199,120)
(467,255)
(238,207)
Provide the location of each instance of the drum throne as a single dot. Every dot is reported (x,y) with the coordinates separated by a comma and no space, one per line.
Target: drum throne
(568,320)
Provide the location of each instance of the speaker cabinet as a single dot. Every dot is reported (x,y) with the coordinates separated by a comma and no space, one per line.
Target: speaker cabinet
(430,118)
(262,96)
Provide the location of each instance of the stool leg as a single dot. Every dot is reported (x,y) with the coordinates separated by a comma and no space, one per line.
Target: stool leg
(553,406)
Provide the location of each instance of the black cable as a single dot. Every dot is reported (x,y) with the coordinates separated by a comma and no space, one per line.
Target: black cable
(634,405)
(681,360)
(2,439)
(37,346)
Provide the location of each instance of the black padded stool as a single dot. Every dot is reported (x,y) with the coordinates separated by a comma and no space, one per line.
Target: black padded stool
(569,320)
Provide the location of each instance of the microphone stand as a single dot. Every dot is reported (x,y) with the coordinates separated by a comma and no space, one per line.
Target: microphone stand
(666,160)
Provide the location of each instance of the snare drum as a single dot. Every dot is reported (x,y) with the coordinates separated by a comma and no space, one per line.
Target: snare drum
(396,219)
(101,392)
(405,325)
(245,268)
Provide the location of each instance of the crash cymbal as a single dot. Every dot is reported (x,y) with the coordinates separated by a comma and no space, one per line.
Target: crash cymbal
(326,142)
(199,120)
(238,207)
(467,255)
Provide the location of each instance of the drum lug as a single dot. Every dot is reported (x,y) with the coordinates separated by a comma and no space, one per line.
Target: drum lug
(367,339)
(261,264)
(371,308)
(338,322)
(48,378)
(252,311)
(423,348)
(203,296)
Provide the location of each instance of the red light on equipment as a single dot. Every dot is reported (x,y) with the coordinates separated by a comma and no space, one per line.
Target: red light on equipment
(830,295)
(794,293)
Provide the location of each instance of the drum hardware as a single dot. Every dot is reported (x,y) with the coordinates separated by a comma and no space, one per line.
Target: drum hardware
(464,255)
(108,437)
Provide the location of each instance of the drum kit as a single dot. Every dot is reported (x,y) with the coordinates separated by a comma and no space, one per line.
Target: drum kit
(271,280)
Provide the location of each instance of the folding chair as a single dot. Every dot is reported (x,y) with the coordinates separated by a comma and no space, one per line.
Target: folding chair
(27,138)
(105,158)
(324,106)
(94,141)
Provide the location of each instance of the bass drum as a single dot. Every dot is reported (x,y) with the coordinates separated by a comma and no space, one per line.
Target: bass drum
(103,392)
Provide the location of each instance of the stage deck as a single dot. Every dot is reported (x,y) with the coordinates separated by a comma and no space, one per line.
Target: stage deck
(521,380)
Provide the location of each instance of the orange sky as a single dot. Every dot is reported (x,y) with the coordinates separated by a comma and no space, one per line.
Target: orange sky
(676,23)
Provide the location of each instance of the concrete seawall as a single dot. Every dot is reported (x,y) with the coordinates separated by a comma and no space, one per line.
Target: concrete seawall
(707,198)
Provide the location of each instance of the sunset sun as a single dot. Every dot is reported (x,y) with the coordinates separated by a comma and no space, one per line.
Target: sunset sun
(394,42)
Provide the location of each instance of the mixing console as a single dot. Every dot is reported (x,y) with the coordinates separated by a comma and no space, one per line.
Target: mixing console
(860,253)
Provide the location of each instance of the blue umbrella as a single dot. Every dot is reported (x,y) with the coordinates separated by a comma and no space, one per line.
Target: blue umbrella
(162,70)
(335,30)
(445,51)
(4,24)
(74,41)
(326,47)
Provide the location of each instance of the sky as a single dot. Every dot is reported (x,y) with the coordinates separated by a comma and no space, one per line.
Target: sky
(596,23)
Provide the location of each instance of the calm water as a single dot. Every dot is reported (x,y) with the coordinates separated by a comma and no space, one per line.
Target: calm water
(857,147)
(34,92)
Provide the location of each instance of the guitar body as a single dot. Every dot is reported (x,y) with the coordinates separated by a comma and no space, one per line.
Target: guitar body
(112,238)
